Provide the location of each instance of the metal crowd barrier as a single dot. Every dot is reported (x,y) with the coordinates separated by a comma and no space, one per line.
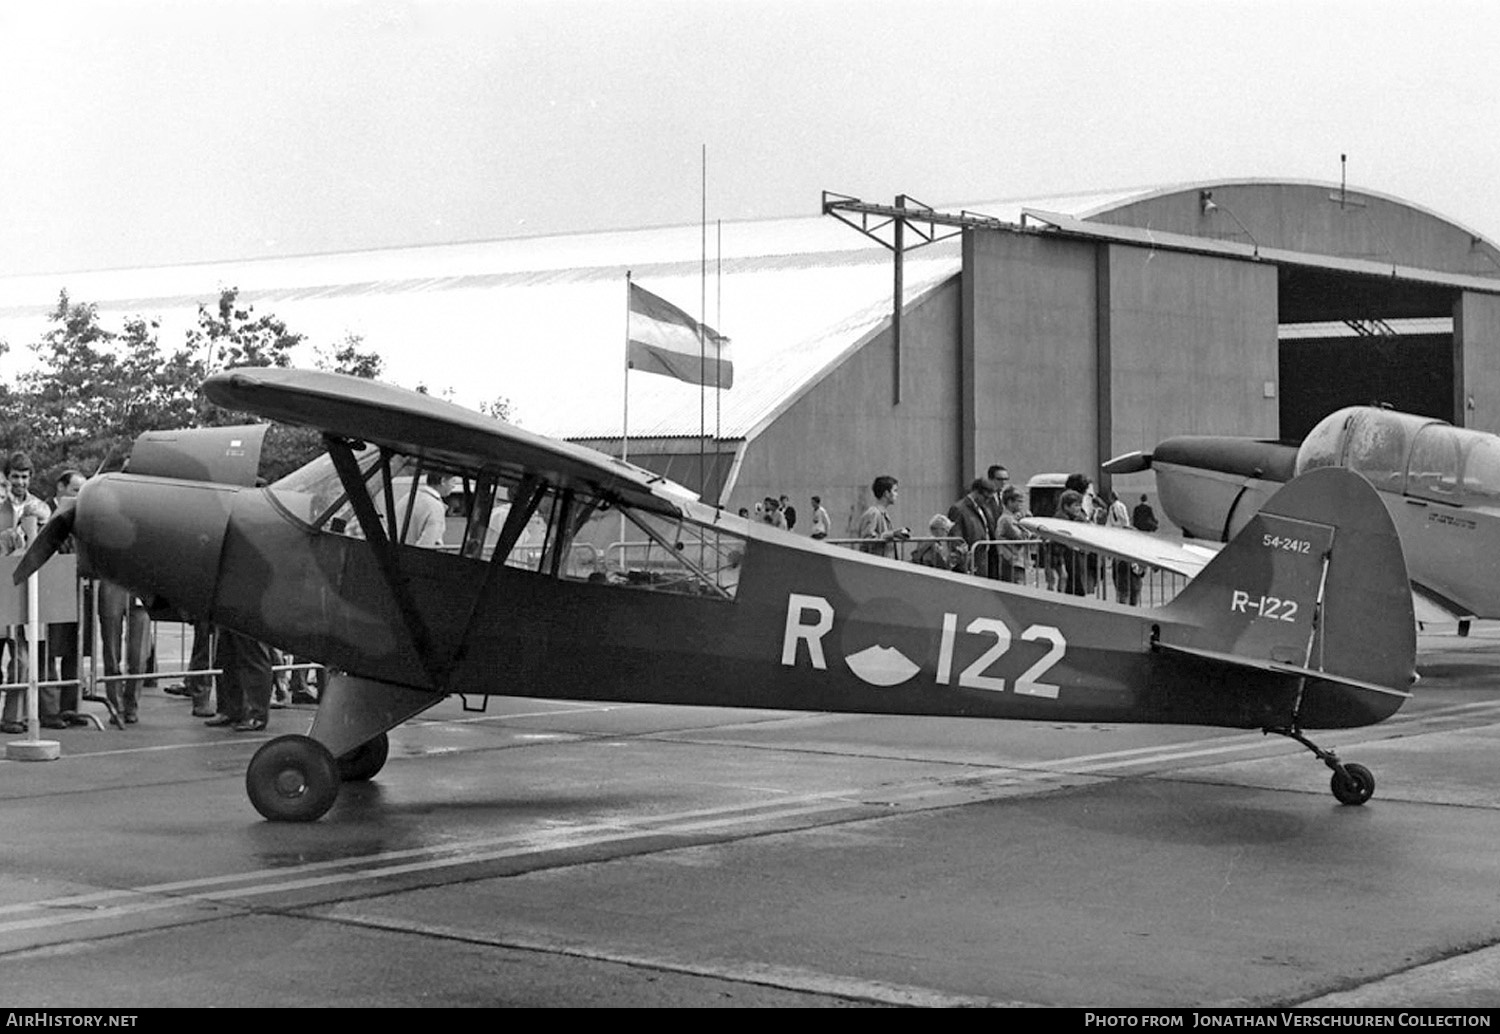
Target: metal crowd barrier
(899,549)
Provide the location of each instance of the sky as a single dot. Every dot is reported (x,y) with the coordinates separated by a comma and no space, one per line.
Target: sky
(150,132)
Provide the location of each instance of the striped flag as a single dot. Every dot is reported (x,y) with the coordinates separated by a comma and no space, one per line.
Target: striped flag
(664,340)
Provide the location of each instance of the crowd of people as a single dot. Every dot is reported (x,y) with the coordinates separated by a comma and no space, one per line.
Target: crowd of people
(982,534)
(779,512)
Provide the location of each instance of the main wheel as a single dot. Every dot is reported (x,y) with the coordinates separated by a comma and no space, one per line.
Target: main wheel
(365,760)
(292,779)
(1354,784)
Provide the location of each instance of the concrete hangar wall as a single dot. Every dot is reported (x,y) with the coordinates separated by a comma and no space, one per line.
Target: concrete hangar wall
(833,439)
(1072,339)
(1081,350)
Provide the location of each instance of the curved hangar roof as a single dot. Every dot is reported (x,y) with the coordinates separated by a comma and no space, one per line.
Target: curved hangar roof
(1310,217)
(541,321)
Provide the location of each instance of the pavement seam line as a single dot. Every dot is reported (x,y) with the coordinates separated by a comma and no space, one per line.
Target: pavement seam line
(780,977)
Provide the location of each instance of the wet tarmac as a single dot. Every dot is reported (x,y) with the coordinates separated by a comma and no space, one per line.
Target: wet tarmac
(556,853)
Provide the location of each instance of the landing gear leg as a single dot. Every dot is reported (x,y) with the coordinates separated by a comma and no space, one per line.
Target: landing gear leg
(1352,784)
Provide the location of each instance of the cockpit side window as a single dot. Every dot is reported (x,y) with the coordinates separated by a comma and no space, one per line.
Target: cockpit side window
(638,549)
(408,495)
(313,493)
(1433,469)
(1482,470)
(1375,445)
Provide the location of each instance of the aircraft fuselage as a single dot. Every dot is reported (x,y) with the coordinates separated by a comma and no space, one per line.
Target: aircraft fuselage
(809,626)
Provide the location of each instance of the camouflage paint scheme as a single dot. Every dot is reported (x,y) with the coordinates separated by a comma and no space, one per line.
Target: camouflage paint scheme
(1303,621)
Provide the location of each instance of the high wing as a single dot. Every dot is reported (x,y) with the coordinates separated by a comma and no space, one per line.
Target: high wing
(1122,544)
(438,432)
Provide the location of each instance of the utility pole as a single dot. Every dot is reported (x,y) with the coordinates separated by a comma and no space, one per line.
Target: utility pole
(887,225)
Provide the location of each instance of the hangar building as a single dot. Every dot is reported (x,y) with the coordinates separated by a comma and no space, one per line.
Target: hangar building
(1048,334)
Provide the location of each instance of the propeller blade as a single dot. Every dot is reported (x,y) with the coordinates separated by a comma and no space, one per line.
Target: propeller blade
(1129,463)
(48,541)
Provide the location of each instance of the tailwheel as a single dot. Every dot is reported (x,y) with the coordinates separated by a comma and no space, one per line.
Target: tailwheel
(1353,784)
(365,760)
(292,779)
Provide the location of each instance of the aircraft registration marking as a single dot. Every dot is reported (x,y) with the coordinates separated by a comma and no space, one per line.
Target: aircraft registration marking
(897,669)
(1451,521)
(1288,545)
(1272,607)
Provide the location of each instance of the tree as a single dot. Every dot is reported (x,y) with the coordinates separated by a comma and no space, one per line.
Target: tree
(70,409)
(94,391)
(228,336)
(350,359)
(501,408)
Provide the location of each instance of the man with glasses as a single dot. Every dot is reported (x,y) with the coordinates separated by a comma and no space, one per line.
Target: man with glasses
(999,479)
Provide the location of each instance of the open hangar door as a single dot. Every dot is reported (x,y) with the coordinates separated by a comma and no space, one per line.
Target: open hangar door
(1349,339)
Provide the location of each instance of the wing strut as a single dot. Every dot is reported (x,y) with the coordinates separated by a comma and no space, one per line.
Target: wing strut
(347,466)
(524,500)
(481,505)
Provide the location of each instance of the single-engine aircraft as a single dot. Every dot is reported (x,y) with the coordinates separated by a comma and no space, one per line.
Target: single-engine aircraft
(1302,622)
(1441,485)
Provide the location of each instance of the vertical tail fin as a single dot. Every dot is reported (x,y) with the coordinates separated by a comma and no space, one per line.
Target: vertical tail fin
(1316,580)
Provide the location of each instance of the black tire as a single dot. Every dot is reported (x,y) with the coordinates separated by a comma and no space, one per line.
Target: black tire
(1353,784)
(365,760)
(292,779)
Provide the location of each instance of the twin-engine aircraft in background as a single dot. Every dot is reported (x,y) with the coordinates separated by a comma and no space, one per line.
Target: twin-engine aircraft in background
(1302,622)
(1441,485)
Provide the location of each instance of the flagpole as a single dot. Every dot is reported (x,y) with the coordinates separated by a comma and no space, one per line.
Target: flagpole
(703,319)
(718,361)
(625,419)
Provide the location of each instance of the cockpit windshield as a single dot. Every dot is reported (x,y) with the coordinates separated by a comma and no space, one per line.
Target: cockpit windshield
(1414,455)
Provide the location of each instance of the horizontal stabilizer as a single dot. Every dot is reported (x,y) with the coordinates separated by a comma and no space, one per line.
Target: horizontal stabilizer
(1284,669)
(1123,544)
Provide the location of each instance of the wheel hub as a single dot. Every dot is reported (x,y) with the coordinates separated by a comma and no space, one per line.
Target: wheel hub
(291,782)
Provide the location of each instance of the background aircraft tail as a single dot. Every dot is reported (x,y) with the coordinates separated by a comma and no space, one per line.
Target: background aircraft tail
(1257,602)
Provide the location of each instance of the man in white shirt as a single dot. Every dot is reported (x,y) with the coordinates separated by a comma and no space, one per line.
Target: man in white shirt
(820,519)
(429,514)
(21,514)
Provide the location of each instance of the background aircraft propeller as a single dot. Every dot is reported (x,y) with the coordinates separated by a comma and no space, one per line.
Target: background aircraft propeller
(1129,463)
